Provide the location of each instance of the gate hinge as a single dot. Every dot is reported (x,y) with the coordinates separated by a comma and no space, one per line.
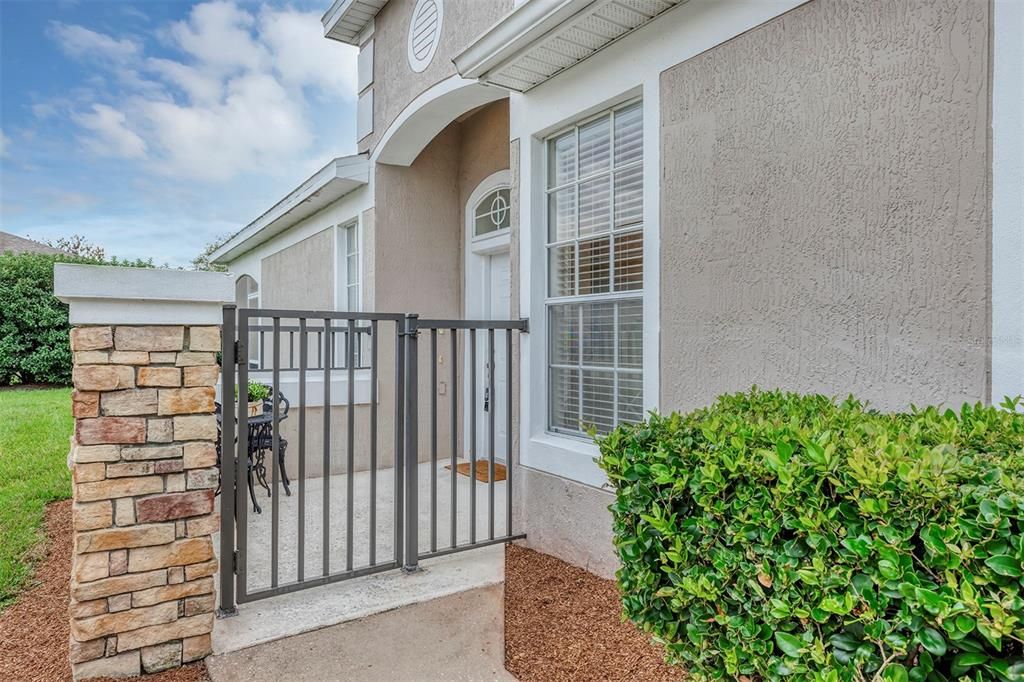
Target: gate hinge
(238,357)
(234,562)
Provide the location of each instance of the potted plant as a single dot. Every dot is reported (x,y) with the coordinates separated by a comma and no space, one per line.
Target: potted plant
(257,395)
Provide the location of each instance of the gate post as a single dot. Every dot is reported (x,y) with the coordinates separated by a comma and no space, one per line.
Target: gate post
(411,458)
(227,469)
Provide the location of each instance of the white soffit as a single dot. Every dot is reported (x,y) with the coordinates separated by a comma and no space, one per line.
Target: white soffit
(346,19)
(542,38)
(338,178)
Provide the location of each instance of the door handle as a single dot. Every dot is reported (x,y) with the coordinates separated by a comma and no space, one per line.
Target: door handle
(487,398)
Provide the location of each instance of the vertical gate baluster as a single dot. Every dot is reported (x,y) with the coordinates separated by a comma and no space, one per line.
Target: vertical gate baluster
(454,530)
(326,476)
(399,438)
(433,440)
(373,443)
(491,402)
(472,436)
(303,361)
(350,363)
(508,432)
(242,472)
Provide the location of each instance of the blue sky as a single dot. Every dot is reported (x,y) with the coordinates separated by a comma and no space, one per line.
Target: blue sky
(154,127)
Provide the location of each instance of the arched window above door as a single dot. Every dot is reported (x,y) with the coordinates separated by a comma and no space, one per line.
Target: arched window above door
(492,213)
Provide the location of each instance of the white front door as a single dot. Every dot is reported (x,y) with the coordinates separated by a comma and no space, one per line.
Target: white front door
(496,293)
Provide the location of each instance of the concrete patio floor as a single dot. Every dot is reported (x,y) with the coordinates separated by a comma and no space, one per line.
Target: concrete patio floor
(310,609)
(459,637)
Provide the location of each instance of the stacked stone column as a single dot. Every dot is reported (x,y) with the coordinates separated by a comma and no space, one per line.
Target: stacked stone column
(144,475)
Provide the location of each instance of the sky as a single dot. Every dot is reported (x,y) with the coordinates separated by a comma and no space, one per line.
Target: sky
(153,128)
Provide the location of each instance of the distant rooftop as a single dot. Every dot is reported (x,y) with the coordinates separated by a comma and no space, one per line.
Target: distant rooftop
(16,244)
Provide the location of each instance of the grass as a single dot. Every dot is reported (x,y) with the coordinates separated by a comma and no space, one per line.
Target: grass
(34,428)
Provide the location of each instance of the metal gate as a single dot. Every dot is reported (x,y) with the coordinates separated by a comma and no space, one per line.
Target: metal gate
(352,520)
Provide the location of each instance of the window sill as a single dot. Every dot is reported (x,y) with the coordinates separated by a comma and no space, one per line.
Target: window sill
(564,457)
(315,386)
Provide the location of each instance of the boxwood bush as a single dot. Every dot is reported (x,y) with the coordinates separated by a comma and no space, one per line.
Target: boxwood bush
(774,535)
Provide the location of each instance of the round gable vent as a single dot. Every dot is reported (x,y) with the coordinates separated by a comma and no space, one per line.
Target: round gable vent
(424,33)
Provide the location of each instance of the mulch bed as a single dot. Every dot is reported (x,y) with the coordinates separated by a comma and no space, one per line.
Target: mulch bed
(34,630)
(564,623)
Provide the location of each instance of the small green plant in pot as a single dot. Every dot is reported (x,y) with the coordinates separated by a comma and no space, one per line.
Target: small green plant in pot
(257,395)
(781,536)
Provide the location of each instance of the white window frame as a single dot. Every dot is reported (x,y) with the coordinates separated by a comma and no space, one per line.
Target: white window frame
(341,283)
(551,301)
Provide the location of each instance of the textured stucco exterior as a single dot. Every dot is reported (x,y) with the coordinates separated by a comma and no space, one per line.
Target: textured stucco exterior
(418,254)
(395,83)
(825,207)
(301,276)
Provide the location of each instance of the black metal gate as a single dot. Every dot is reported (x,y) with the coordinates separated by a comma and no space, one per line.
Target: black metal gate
(375,360)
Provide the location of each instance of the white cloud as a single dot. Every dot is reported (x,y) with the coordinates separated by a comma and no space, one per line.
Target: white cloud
(218,35)
(237,100)
(109,134)
(257,124)
(303,57)
(78,41)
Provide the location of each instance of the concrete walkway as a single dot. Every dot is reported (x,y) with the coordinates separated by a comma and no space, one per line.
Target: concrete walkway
(458,637)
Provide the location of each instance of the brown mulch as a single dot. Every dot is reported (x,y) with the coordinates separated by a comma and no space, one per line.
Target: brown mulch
(564,623)
(34,630)
(482,470)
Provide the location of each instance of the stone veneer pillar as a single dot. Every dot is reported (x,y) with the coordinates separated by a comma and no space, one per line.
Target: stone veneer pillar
(143,458)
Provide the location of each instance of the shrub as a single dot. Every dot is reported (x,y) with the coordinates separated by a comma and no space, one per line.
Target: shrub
(33,322)
(777,535)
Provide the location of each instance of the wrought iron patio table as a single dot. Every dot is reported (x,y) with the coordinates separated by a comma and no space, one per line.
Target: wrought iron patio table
(260,437)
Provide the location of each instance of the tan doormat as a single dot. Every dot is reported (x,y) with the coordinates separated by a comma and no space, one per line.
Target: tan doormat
(482,469)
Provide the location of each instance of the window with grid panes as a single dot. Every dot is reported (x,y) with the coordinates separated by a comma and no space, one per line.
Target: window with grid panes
(595,272)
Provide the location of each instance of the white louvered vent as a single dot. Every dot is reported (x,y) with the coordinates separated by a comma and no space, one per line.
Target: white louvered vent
(424,33)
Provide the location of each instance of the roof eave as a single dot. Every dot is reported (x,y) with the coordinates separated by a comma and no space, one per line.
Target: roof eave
(512,34)
(339,177)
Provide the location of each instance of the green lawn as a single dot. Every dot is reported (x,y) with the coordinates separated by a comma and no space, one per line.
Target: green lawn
(34,428)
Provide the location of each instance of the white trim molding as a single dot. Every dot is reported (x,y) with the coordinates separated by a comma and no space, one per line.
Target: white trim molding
(103,294)
(1007,200)
(427,115)
(341,176)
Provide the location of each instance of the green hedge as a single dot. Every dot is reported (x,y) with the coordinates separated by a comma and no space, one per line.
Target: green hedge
(776,536)
(33,323)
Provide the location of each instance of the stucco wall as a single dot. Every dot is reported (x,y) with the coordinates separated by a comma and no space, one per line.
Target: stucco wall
(484,147)
(825,219)
(395,83)
(300,276)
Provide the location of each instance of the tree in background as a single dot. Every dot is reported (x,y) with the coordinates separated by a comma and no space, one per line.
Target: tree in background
(77,245)
(34,324)
(202,261)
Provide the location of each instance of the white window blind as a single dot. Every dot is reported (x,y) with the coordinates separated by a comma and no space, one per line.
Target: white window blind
(595,272)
